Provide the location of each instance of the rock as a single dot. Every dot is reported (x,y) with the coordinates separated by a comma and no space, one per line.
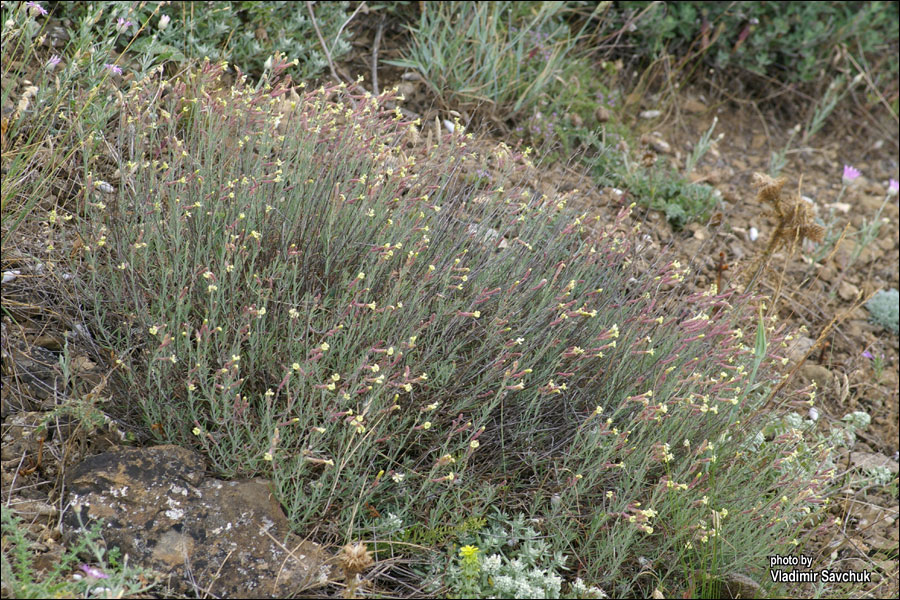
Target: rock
(22,435)
(847,291)
(30,509)
(650,114)
(753,234)
(695,107)
(817,373)
(869,460)
(798,348)
(226,538)
(406,89)
(660,145)
(699,231)
(741,586)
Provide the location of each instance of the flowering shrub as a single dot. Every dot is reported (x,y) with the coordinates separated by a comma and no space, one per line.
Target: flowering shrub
(297,286)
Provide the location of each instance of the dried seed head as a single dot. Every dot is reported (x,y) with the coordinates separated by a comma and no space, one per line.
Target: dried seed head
(769,189)
(355,558)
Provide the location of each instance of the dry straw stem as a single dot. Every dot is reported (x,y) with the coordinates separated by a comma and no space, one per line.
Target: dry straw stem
(794,220)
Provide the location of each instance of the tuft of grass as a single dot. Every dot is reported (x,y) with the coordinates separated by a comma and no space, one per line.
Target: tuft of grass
(503,54)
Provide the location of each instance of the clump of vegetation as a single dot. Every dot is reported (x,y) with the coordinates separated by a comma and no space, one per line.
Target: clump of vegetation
(503,54)
(242,33)
(883,308)
(793,42)
(297,289)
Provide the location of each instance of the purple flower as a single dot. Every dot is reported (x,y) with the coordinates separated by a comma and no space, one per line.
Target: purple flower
(868,355)
(122,25)
(36,9)
(893,187)
(94,572)
(114,68)
(53,62)
(850,174)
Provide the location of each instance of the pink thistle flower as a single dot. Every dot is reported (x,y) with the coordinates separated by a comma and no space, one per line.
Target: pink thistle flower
(893,187)
(53,62)
(850,174)
(114,68)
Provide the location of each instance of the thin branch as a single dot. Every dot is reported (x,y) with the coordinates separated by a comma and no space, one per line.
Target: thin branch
(341,29)
(312,16)
(378,32)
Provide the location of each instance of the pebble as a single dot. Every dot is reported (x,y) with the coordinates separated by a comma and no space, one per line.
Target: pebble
(650,114)
(753,234)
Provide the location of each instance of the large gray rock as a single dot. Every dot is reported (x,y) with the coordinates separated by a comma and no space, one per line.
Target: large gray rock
(221,538)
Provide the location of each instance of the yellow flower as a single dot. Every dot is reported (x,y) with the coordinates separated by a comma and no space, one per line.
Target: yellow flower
(469,553)
(196,431)
(426,425)
(324,347)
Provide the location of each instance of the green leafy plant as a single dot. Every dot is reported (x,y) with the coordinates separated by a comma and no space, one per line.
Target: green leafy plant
(662,188)
(510,559)
(883,309)
(245,34)
(111,576)
(794,42)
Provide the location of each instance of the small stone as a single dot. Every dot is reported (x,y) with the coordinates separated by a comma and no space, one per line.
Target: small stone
(406,89)
(753,234)
(799,347)
(695,107)
(741,586)
(847,291)
(870,460)
(49,342)
(650,114)
(660,145)
(35,508)
(819,374)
